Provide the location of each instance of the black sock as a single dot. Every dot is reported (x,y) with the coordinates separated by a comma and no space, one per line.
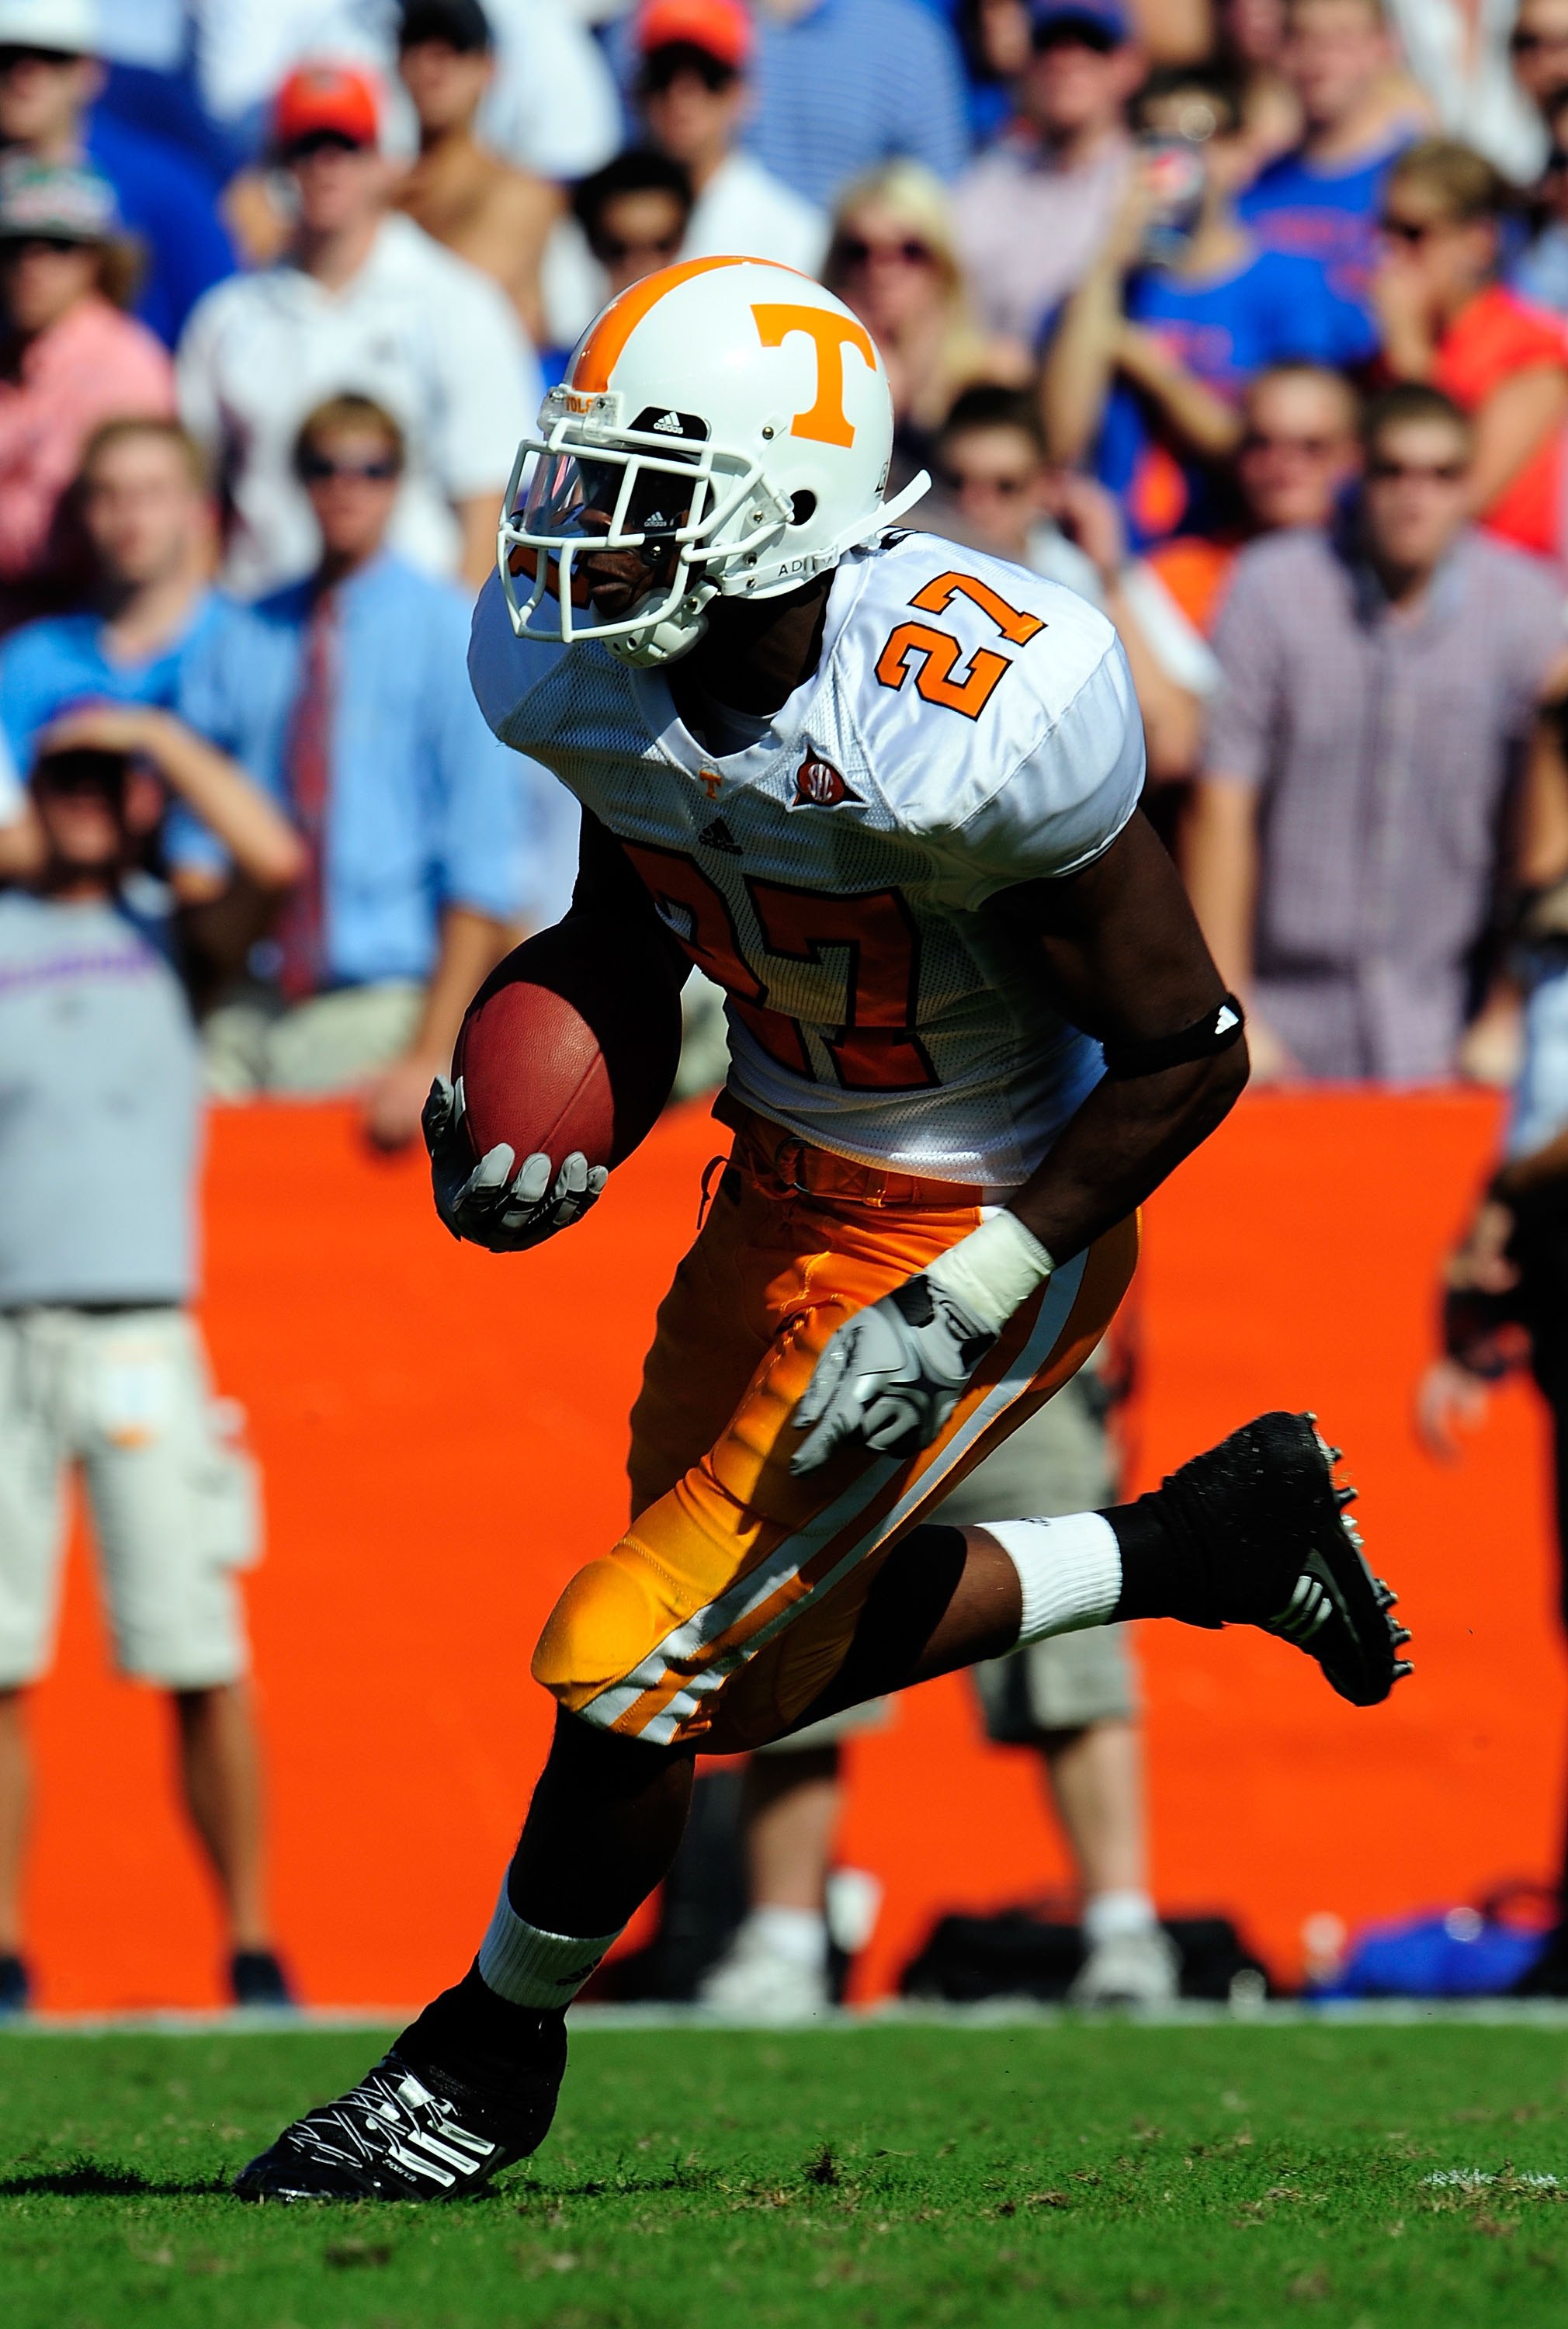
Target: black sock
(480,2039)
(1164,1573)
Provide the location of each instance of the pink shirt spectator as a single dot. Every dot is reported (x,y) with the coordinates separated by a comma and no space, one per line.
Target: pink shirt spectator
(93,365)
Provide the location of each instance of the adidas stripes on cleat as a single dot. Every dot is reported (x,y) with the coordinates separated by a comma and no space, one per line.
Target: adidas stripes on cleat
(1271,1542)
(403,2134)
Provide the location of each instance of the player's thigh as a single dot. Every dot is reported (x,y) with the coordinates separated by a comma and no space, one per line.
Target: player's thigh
(1056,1461)
(173,1502)
(801,1663)
(641,1639)
(33,1458)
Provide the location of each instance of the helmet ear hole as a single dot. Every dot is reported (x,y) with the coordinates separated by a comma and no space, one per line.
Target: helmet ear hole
(803,507)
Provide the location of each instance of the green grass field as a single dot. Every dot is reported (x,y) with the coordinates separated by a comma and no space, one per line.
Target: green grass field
(882,2176)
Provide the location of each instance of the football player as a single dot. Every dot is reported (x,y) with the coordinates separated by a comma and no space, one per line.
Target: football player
(886,792)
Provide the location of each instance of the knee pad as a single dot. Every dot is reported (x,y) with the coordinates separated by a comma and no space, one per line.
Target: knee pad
(604,1625)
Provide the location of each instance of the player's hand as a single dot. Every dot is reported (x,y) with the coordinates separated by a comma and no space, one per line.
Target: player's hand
(496,1203)
(891,1376)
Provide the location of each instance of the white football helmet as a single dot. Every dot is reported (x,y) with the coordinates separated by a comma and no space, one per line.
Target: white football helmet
(728,419)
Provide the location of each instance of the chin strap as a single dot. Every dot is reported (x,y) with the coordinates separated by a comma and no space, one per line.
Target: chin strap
(667,641)
(917,488)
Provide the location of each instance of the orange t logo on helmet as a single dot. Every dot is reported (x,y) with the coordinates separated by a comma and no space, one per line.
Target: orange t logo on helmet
(754,388)
(825,420)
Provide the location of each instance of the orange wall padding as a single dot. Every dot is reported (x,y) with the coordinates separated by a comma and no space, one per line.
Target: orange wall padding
(443,1434)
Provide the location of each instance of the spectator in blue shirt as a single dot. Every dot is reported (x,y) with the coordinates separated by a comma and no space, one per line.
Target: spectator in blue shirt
(50,75)
(1182,309)
(844,84)
(1322,202)
(143,502)
(347,697)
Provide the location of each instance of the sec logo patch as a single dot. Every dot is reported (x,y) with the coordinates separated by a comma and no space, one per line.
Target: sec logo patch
(819,785)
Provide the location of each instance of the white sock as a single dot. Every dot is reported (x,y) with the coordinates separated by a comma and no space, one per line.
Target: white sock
(798,1935)
(531,1967)
(1069,1569)
(1108,1915)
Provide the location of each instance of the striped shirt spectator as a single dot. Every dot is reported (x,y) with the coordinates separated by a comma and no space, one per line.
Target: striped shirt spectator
(1380,685)
(844,84)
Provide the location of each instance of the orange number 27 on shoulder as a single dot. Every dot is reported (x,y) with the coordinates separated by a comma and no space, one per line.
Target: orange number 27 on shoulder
(932,656)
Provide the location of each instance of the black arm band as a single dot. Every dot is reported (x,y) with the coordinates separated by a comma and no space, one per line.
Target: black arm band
(1216,1031)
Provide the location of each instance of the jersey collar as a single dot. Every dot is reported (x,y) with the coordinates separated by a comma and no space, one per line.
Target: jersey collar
(787,729)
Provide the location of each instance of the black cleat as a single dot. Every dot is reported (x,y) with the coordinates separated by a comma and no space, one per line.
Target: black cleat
(408,2133)
(1268,1530)
(256,1977)
(15,1984)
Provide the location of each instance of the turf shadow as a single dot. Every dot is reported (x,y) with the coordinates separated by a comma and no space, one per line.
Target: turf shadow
(84,2179)
(617,2186)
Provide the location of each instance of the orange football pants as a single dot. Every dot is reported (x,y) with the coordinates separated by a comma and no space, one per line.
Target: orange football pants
(732,1601)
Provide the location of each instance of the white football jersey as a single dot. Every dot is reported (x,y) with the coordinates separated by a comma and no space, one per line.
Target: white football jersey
(969,726)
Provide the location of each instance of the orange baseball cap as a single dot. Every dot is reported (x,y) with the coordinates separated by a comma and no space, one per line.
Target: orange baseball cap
(721,28)
(325,96)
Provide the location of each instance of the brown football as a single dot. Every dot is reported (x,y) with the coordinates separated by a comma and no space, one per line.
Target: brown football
(572,1042)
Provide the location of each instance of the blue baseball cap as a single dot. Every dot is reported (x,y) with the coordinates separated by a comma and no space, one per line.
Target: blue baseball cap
(1105,21)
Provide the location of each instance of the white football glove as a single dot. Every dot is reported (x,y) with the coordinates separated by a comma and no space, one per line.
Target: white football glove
(489,1203)
(891,1375)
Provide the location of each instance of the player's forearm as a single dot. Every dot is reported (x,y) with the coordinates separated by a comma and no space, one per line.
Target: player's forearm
(1130,1134)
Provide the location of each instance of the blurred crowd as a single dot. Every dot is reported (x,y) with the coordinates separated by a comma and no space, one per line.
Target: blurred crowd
(1248,319)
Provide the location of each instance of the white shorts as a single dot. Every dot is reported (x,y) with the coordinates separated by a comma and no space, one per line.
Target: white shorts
(124,1396)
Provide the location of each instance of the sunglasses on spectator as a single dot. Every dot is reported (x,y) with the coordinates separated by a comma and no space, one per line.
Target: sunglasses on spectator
(856,251)
(1384,472)
(615,249)
(320,141)
(960,481)
(667,66)
(1311,448)
(15,246)
(23,52)
(318,468)
(1412,233)
(1075,33)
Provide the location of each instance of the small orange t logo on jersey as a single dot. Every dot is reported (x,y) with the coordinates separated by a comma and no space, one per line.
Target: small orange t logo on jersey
(825,420)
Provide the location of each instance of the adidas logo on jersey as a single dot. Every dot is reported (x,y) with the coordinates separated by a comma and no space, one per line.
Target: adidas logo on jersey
(718,836)
(819,785)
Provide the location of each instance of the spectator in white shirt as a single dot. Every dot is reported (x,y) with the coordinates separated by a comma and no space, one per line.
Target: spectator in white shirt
(1459,51)
(695,93)
(553,106)
(365,301)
